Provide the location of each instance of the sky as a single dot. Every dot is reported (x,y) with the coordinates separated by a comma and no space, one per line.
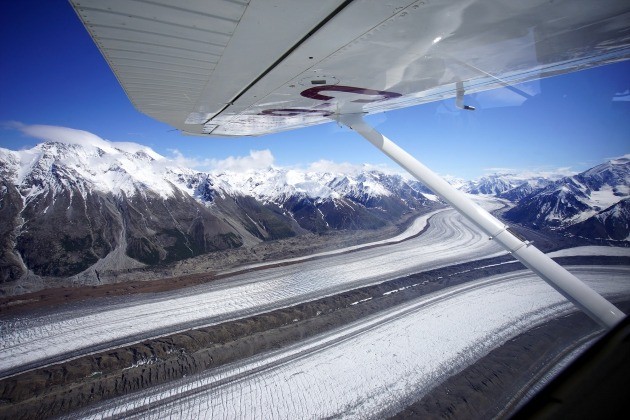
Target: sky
(52,74)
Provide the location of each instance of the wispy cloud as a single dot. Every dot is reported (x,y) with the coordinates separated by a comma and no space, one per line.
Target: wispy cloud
(55,133)
(257,159)
(551,173)
(188,162)
(262,159)
(69,135)
(347,168)
(622,96)
(626,156)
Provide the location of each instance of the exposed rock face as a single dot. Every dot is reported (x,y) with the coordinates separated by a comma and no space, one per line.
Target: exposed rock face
(63,222)
(163,230)
(58,222)
(67,232)
(11,267)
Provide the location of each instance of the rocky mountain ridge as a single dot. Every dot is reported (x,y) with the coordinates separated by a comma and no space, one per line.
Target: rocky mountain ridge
(592,203)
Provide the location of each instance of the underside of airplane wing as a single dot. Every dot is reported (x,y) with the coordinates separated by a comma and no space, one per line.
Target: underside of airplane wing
(238,67)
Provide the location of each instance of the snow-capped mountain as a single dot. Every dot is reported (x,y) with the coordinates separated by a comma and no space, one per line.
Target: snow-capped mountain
(95,205)
(319,201)
(573,201)
(489,185)
(612,223)
(525,188)
(68,207)
(510,186)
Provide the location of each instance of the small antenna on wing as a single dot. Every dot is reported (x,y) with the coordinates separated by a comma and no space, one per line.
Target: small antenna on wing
(459,101)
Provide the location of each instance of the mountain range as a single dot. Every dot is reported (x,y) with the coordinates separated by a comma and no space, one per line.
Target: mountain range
(593,203)
(70,207)
(66,208)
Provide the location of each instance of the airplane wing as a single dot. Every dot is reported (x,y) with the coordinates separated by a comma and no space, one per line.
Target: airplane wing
(252,67)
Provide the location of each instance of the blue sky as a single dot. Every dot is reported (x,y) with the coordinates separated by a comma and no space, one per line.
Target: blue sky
(52,74)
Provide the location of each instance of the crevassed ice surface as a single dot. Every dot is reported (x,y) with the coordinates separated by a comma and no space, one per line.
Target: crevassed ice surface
(449,240)
(373,367)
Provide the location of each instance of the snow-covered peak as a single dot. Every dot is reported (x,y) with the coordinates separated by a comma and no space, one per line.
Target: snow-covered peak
(277,184)
(273,184)
(612,173)
(369,184)
(65,135)
(458,183)
(489,185)
(138,150)
(119,168)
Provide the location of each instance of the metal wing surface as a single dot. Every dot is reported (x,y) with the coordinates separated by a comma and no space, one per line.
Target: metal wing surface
(238,67)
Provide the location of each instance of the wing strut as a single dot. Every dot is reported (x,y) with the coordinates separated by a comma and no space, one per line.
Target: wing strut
(585,298)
